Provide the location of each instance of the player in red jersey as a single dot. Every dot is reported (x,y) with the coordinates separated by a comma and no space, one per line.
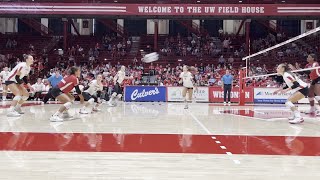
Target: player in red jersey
(61,92)
(315,83)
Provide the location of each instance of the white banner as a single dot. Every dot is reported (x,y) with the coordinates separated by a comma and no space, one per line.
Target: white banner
(265,95)
(200,95)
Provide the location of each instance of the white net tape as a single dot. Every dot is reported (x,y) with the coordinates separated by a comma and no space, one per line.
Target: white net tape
(283,43)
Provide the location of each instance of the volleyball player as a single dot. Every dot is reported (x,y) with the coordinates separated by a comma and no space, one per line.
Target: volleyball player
(92,95)
(118,86)
(16,77)
(4,75)
(292,82)
(314,85)
(62,93)
(187,79)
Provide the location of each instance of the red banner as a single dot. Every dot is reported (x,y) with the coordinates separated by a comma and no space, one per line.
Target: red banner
(216,94)
(161,9)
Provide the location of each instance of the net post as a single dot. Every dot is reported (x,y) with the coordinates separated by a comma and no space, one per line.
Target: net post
(242,86)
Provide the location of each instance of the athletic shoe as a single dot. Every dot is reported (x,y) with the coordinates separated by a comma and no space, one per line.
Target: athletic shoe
(66,115)
(54,118)
(83,111)
(13,114)
(310,111)
(296,120)
(19,110)
(317,112)
(291,118)
(224,103)
(186,106)
(96,109)
(229,103)
(110,104)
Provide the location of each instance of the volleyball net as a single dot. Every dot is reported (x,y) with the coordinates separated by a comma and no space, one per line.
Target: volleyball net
(270,52)
(293,51)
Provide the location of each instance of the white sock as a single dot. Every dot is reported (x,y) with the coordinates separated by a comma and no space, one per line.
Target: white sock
(312,108)
(11,108)
(57,113)
(4,97)
(297,114)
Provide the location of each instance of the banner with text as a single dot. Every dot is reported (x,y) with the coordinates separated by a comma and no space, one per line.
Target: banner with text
(200,95)
(145,93)
(120,9)
(265,95)
(216,94)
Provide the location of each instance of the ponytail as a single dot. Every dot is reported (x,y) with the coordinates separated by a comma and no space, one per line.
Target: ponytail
(288,70)
(73,70)
(26,56)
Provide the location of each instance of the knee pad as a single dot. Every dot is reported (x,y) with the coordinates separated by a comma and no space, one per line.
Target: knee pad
(119,96)
(17,98)
(25,98)
(67,105)
(91,101)
(114,94)
(289,104)
(317,98)
(311,98)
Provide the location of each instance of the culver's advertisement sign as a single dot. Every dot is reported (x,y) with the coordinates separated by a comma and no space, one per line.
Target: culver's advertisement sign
(200,95)
(145,93)
(265,95)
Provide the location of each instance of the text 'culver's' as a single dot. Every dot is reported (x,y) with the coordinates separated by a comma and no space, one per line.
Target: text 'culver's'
(136,94)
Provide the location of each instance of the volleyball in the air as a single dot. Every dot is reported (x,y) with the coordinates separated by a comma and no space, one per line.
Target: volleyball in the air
(151,57)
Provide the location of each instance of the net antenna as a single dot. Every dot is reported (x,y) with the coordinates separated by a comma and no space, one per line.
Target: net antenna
(280,45)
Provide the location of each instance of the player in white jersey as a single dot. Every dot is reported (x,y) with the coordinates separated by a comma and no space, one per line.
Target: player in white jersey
(187,79)
(118,86)
(92,95)
(292,82)
(4,75)
(18,76)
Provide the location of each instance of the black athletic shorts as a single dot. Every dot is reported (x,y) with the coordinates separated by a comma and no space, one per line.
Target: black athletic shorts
(55,92)
(10,82)
(316,81)
(304,91)
(88,96)
(118,89)
(188,87)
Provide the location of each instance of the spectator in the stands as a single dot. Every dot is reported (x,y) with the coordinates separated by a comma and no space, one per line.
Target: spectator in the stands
(73,51)
(38,87)
(80,50)
(119,46)
(220,31)
(9,44)
(221,61)
(90,52)
(226,44)
(231,60)
(31,47)
(14,44)
(128,44)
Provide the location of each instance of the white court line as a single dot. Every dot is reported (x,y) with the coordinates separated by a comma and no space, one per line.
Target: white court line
(200,123)
(213,137)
